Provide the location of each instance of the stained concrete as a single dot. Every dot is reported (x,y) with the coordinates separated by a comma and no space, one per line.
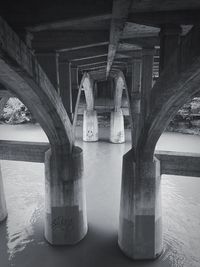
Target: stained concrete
(90,126)
(65,202)
(117,134)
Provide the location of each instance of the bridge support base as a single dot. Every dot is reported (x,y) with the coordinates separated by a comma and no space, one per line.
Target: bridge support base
(65,205)
(90,126)
(140,227)
(117,127)
(3,210)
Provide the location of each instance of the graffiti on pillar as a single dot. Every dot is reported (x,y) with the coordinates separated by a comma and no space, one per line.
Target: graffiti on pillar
(89,133)
(62,223)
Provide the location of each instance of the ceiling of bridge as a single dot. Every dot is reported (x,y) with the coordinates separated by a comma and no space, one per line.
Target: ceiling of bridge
(100,37)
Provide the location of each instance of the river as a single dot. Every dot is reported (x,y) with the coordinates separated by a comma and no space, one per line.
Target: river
(21,237)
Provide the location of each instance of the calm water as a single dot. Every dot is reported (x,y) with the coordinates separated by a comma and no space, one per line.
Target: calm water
(22,243)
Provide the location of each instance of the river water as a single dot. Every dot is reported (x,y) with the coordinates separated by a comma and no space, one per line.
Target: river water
(21,236)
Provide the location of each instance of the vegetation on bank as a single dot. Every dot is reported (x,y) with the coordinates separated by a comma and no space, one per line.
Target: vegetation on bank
(187,119)
(15,112)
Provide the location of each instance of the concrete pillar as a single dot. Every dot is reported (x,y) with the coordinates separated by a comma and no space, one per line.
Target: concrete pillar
(170,38)
(74,87)
(90,126)
(140,227)
(49,63)
(3,210)
(65,204)
(134,83)
(65,86)
(146,83)
(117,134)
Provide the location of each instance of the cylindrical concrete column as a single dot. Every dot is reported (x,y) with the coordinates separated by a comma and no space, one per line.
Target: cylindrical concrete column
(140,227)
(65,203)
(117,134)
(3,210)
(90,126)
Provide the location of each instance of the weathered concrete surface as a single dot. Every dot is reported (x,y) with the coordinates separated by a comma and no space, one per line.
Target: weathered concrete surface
(23,151)
(140,225)
(174,87)
(90,126)
(117,127)
(88,89)
(21,73)
(3,210)
(179,163)
(65,203)
(65,220)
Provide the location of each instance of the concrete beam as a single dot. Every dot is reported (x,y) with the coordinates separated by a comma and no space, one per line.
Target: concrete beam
(83,47)
(157,18)
(88,57)
(68,40)
(119,16)
(155,5)
(83,53)
(179,163)
(65,86)
(23,151)
(69,23)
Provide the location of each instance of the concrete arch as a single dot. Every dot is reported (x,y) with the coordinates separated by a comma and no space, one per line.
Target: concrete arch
(21,74)
(87,85)
(117,134)
(119,86)
(140,207)
(173,89)
(90,122)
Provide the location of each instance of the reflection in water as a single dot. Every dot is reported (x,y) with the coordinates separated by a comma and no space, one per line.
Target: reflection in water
(25,201)
(24,244)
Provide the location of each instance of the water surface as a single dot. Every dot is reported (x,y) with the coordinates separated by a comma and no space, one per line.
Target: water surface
(22,243)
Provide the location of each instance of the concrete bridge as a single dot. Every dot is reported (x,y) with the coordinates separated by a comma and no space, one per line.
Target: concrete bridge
(145,51)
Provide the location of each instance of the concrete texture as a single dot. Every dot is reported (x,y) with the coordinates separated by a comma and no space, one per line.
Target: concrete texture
(117,127)
(140,228)
(65,203)
(90,126)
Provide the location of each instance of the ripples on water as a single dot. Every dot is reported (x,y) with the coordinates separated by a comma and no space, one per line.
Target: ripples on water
(24,186)
(25,202)
(181,216)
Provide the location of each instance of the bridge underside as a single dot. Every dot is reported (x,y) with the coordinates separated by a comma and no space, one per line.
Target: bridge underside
(139,58)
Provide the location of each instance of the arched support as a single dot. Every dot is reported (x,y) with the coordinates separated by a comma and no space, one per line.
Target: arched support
(140,227)
(175,87)
(117,134)
(140,234)
(21,74)
(90,121)
(65,206)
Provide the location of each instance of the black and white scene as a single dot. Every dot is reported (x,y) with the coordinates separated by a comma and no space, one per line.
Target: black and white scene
(100,133)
